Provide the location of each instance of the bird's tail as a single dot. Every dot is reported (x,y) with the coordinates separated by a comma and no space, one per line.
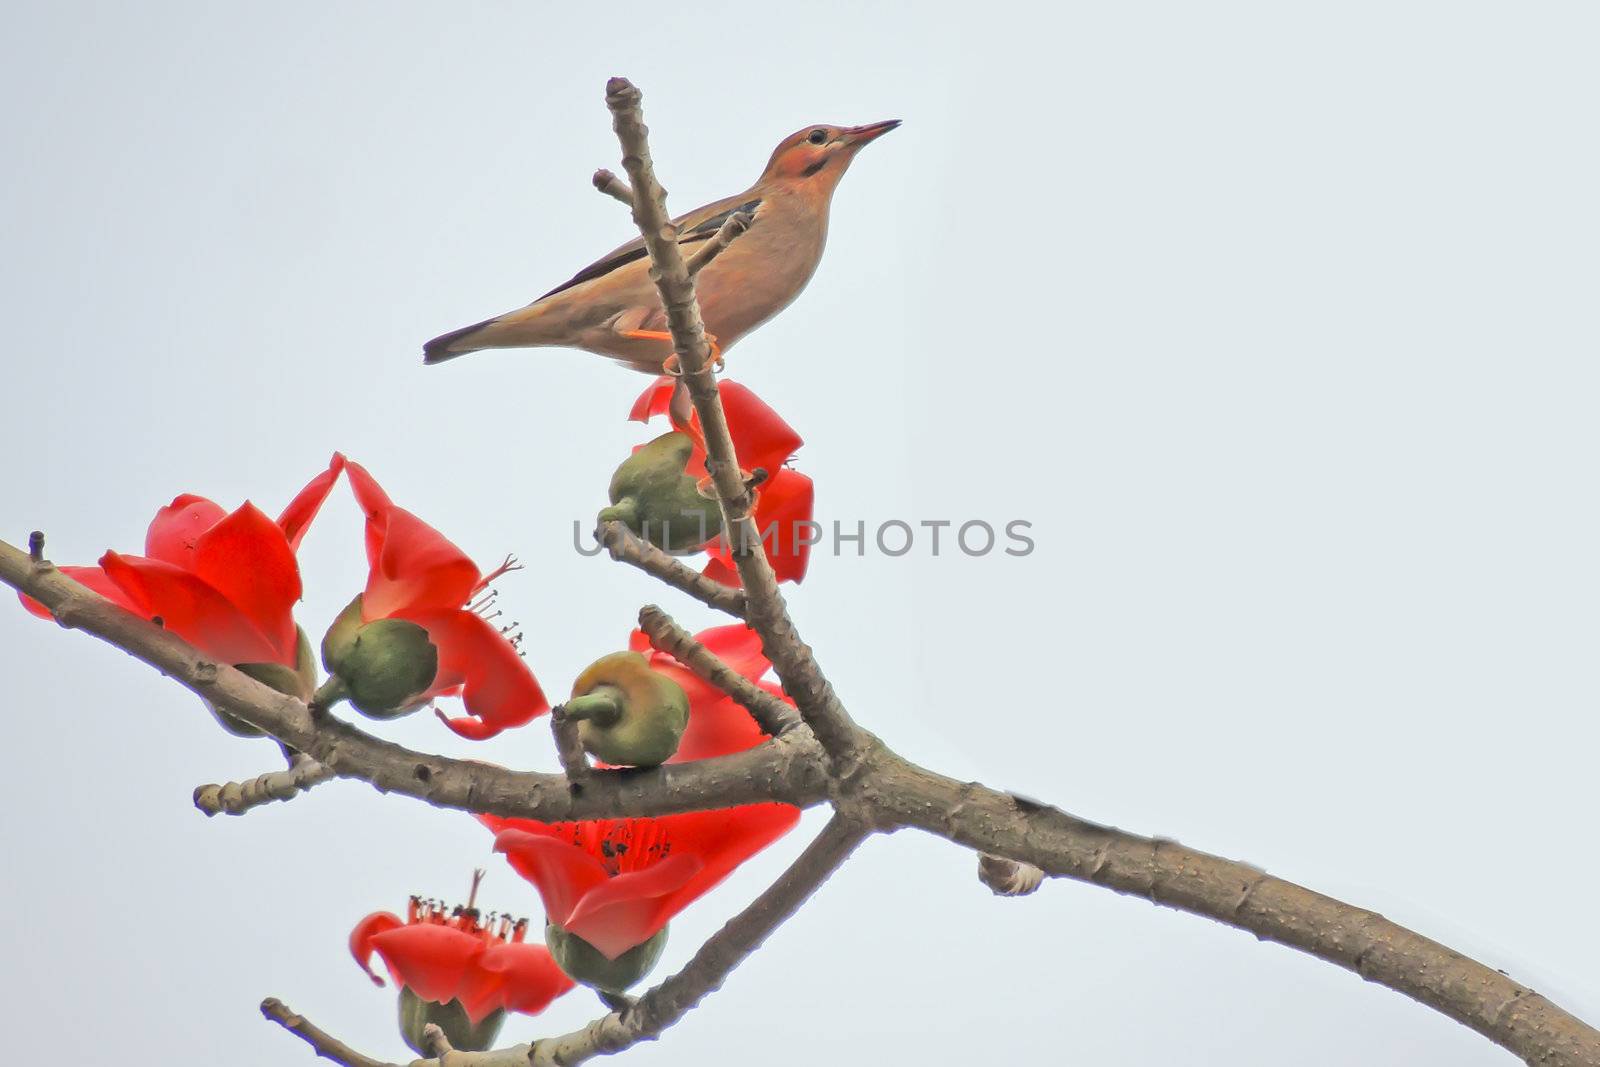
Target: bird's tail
(453,344)
(529,327)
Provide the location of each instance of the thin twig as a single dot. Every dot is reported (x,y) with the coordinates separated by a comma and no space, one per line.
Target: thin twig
(36,546)
(726,234)
(323,1043)
(770,713)
(329,1047)
(434,1041)
(791,658)
(624,546)
(612,185)
(716,959)
(236,798)
(569,748)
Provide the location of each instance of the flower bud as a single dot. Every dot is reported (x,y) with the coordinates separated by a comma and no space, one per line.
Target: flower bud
(452,1018)
(626,712)
(586,964)
(652,495)
(382,666)
(299,681)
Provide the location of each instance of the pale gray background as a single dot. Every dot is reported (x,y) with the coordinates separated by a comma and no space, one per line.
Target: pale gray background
(1277,320)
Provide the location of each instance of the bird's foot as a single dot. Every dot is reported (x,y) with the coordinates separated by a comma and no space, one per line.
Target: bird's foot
(674,366)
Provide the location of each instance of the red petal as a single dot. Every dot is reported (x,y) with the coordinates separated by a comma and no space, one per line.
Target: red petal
(760,436)
(296,518)
(191,609)
(561,871)
(738,646)
(723,839)
(430,959)
(417,570)
(628,910)
(374,503)
(786,502)
(717,728)
(247,559)
(656,400)
(497,687)
(480,989)
(94,578)
(531,977)
(176,529)
(718,570)
(361,939)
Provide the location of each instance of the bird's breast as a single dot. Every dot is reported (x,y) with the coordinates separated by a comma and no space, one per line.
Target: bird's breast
(760,273)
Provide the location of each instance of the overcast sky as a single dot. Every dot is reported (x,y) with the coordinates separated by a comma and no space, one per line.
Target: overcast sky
(1276,321)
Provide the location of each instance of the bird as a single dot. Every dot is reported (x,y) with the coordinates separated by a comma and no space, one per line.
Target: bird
(611,307)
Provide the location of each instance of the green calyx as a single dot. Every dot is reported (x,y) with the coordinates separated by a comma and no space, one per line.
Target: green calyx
(298,681)
(452,1018)
(382,666)
(652,495)
(586,964)
(627,714)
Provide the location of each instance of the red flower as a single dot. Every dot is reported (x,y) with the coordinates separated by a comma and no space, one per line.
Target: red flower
(761,439)
(616,882)
(443,956)
(414,573)
(226,582)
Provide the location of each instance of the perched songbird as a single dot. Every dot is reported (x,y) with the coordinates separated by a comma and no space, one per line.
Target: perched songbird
(611,307)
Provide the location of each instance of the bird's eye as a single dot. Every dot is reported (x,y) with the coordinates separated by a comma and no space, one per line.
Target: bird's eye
(817,136)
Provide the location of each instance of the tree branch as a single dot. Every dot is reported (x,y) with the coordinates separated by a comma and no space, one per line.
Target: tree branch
(704,974)
(726,234)
(1165,872)
(783,769)
(791,658)
(624,546)
(770,713)
(236,798)
(328,1047)
(612,186)
(324,1044)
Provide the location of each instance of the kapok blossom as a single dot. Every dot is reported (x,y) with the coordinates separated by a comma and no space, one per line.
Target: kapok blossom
(226,582)
(761,440)
(616,883)
(416,574)
(456,954)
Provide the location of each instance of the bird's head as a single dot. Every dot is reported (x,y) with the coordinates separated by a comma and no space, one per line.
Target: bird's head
(821,153)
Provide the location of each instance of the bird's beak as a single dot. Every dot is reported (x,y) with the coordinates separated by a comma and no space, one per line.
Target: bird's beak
(856,136)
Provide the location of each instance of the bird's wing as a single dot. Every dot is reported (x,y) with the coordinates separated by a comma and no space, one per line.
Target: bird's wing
(697,225)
